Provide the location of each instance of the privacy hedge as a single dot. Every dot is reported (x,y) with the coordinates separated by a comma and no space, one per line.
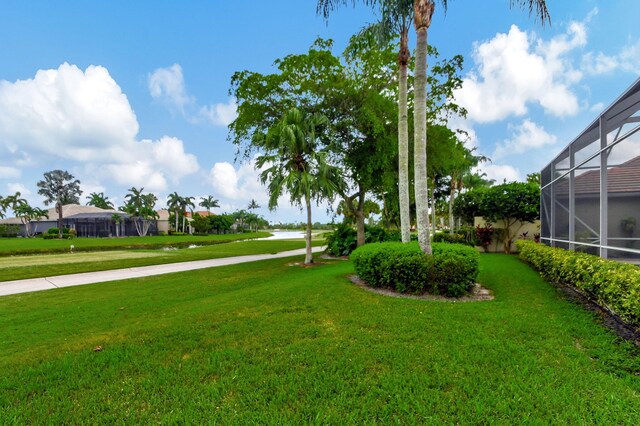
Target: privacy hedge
(612,284)
(451,270)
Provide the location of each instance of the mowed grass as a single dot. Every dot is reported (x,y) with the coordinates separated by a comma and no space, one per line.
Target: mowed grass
(47,265)
(53,259)
(18,246)
(274,344)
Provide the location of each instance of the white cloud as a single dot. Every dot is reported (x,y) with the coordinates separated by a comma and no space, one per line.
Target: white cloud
(500,172)
(628,60)
(167,84)
(66,113)
(168,154)
(524,137)
(9,172)
(220,114)
(516,69)
(140,173)
(597,108)
(470,140)
(238,185)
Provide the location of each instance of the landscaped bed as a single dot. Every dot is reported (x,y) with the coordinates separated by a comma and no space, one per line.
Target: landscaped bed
(269,343)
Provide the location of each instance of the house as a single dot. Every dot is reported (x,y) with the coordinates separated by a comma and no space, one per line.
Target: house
(590,192)
(88,221)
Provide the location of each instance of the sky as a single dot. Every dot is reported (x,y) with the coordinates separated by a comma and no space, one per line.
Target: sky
(124,94)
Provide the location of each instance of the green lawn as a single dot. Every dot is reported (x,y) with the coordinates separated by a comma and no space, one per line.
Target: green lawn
(18,246)
(276,344)
(47,265)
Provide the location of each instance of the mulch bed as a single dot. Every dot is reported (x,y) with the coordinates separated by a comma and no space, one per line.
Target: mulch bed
(478,293)
(608,318)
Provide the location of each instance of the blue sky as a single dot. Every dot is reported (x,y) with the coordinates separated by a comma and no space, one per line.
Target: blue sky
(125,93)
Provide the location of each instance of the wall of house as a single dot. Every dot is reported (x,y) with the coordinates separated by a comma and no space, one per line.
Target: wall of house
(517,229)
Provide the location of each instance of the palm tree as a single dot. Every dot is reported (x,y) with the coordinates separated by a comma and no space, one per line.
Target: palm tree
(12,202)
(117,219)
(253,205)
(186,202)
(296,165)
(27,214)
(99,200)
(173,204)
(209,202)
(395,18)
(141,208)
(423,11)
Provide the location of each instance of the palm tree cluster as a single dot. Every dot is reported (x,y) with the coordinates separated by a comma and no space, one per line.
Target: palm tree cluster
(395,18)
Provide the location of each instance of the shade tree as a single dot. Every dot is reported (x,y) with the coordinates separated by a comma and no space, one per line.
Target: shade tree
(59,187)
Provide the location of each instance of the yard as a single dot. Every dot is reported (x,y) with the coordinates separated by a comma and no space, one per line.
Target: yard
(20,246)
(33,266)
(270,343)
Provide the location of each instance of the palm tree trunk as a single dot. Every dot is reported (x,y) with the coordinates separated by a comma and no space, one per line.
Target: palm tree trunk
(361,238)
(176,213)
(59,208)
(452,197)
(403,139)
(423,10)
(433,209)
(308,258)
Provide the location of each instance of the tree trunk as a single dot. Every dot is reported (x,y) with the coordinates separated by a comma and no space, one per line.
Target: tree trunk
(308,258)
(423,10)
(403,140)
(452,198)
(176,213)
(59,208)
(433,209)
(359,213)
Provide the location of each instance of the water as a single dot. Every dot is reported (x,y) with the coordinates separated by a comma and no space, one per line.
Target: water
(284,235)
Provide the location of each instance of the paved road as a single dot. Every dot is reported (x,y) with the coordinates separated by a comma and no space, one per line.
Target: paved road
(48,283)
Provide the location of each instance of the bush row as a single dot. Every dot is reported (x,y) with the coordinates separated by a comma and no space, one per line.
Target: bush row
(464,235)
(451,270)
(612,284)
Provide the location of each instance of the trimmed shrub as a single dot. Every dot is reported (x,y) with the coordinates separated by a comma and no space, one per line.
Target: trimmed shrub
(612,284)
(455,269)
(451,270)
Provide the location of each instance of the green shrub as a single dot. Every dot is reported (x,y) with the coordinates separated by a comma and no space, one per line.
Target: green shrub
(612,284)
(451,270)
(343,240)
(455,269)
(9,231)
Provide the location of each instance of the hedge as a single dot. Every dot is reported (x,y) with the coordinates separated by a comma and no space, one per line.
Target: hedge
(451,270)
(343,240)
(612,284)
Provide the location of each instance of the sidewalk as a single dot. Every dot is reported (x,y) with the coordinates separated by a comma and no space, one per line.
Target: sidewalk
(48,283)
